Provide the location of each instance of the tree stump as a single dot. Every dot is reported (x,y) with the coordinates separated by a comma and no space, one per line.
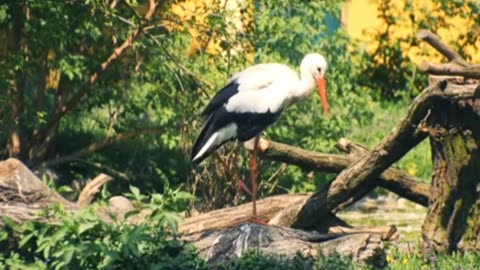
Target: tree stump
(454,212)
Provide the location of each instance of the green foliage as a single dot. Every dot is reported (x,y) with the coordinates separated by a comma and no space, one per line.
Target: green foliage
(412,261)
(157,84)
(389,68)
(85,241)
(254,260)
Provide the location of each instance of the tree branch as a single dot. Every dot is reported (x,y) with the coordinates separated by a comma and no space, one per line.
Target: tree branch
(441,47)
(451,70)
(119,51)
(461,91)
(392,179)
(94,147)
(360,176)
(93,187)
(103,168)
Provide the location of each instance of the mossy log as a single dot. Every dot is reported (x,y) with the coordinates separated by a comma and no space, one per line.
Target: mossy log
(453,126)
(453,218)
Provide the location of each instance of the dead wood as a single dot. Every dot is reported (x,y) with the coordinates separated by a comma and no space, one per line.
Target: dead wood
(92,188)
(441,47)
(393,179)
(236,215)
(454,131)
(450,69)
(19,185)
(24,196)
(387,232)
(223,245)
(359,178)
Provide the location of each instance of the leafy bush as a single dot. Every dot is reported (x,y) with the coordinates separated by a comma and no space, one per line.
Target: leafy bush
(428,260)
(86,241)
(254,260)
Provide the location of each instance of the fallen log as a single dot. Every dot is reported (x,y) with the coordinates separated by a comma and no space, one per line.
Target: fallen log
(236,215)
(19,185)
(24,196)
(222,245)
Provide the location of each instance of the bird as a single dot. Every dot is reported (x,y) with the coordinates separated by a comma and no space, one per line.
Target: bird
(252,100)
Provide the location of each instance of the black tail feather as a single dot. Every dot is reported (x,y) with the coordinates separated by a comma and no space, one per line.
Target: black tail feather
(205,134)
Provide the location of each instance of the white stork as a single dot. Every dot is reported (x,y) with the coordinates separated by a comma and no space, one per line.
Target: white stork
(252,100)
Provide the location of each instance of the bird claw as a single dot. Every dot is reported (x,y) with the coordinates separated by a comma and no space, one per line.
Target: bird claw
(256,220)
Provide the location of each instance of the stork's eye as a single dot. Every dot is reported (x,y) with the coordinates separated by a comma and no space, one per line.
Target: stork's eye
(319,69)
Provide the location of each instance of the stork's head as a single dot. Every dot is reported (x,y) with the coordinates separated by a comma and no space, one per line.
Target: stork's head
(316,65)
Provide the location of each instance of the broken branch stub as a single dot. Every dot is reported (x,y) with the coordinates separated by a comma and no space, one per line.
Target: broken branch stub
(92,188)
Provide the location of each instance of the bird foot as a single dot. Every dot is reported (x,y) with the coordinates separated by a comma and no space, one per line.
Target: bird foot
(257,220)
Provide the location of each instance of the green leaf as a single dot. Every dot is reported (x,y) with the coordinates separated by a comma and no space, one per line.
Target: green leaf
(135,193)
(83,227)
(131,213)
(25,239)
(67,255)
(3,235)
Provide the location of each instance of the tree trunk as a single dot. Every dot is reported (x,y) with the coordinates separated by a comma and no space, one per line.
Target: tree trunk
(17,83)
(452,221)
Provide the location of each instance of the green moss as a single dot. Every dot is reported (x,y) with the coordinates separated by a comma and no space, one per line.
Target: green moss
(458,150)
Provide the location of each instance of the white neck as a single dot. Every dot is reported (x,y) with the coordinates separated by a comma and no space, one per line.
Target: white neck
(306,85)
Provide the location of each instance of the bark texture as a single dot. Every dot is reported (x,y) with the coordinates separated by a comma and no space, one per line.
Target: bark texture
(453,213)
(453,125)
(231,243)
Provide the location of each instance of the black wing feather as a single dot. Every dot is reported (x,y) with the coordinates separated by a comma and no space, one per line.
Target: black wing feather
(252,124)
(221,97)
(216,120)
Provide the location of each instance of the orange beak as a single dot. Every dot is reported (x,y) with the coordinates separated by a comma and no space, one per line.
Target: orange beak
(322,90)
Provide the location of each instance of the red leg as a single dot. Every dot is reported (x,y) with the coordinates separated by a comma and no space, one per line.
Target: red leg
(243,186)
(254,176)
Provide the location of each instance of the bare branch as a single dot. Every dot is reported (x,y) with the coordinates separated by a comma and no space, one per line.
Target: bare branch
(102,167)
(441,47)
(119,51)
(461,91)
(392,179)
(451,70)
(360,176)
(94,147)
(93,187)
